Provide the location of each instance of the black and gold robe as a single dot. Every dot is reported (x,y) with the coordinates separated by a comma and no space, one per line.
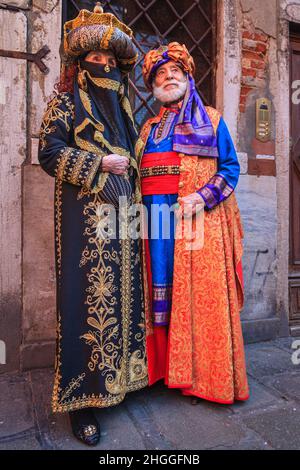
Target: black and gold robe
(100,309)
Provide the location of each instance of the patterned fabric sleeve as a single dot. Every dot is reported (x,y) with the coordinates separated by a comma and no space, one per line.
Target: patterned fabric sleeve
(66,163)
(221,185)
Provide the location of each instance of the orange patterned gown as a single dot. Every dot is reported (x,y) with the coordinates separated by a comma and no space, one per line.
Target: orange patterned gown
(201,352)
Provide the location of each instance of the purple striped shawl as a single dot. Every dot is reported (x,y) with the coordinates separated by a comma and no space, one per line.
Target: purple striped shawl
(194,133)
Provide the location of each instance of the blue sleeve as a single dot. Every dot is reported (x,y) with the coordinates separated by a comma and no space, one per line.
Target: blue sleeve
(221,185)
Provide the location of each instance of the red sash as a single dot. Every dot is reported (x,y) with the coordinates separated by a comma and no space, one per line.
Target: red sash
(164,183)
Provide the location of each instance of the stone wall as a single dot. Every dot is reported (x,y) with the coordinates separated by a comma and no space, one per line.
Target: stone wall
(27,321)
(13,148)
(44,22)
(257,189)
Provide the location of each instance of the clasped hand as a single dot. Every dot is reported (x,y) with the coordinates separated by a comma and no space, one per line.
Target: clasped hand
(115,163)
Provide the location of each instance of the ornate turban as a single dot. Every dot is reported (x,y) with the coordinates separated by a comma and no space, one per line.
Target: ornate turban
(157,57)
(92,31)
(193,133)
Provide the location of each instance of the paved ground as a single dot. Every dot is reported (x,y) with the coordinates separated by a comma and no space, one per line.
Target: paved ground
(159,418)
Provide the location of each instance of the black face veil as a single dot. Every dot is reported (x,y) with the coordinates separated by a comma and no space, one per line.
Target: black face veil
(103,116)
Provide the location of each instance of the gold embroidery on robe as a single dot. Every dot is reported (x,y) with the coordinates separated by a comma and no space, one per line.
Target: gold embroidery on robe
(54,113)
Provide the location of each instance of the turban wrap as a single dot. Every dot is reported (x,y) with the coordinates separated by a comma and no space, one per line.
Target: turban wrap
(157,57)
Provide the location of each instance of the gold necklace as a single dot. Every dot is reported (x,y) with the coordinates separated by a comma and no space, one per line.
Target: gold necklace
(162,123)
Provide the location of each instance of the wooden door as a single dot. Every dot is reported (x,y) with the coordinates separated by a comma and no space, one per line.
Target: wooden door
(294,274)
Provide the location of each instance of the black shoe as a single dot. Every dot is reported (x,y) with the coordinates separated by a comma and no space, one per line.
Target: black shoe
(85,426)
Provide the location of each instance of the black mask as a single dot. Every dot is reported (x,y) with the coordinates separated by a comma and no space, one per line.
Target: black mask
(98,70)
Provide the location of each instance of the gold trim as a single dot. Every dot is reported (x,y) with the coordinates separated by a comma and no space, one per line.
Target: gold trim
(139,148)
(92,173)
(106,38)
(55,113)
(77,160)
(101,182)
(58,214)
(95,402)
(160,171)
(129,61)
(75,383)
(86,100)
(83,192)
(125,103)
(99,137)
(84,144)
(107,83)
(62,161)
(86,17)
(80,160)
(125,282)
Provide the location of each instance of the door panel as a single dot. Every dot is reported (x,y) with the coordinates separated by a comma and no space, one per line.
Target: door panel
(294,275)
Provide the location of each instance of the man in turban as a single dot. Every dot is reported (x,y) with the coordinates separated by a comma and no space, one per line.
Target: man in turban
(87,142)
(193,293)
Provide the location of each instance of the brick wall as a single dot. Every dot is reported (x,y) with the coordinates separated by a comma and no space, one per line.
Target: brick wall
(255,45)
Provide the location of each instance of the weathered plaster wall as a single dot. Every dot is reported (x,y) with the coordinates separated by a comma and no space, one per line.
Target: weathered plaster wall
(27,289)
(44,23)
(230,71)
(257,194)
(12,155)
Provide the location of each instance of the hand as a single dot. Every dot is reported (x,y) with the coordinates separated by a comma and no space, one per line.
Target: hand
(115,163)
(191,204)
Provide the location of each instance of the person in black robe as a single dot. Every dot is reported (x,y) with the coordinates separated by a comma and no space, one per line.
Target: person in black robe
(87,140)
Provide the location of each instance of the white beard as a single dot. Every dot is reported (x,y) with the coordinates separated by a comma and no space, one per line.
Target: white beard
(169,96)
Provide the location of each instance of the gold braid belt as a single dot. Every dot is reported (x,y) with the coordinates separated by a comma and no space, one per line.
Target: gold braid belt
(159,170)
